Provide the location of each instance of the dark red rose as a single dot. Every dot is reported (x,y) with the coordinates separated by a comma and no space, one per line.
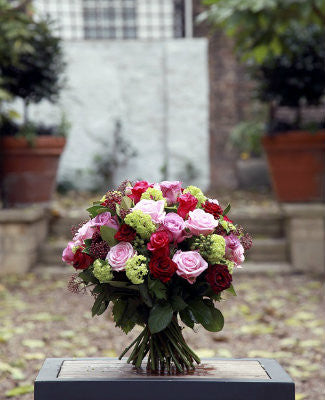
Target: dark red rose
(159,243)
(162,268)
(212,208)
(82,260)
(125,233)
(187,202)
(137,190)
(218,277)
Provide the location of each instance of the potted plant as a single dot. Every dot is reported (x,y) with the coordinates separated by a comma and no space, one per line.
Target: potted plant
(31,65)
(282,44)
(295,149)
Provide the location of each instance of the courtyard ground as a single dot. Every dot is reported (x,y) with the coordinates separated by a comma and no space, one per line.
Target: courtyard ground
(279,317)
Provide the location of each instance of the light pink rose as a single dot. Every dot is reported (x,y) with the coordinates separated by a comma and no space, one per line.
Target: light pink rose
(106,219)
(175,225)
(154,208)
(86,231)
(67,255)
(201,223)
(119,254)
(234,249)
(190,264)
(171,190)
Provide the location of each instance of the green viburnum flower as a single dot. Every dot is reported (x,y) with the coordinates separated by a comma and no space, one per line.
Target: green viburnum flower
(227,226)
(196,192)
(153,194)
(136,269)
(141,223)
(230,265)
(102,271)
(211,247)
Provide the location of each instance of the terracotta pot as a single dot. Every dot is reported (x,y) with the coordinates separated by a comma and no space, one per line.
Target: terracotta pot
(297,165)
(28,173)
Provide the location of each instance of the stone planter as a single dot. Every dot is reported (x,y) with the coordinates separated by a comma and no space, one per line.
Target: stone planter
(28,172)
(297,165)
(22,231)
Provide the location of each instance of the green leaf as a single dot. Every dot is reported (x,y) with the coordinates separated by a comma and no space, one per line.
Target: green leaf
(178,303)
(124,285)
(231,290)
(157,288)
(217,321)
(208,316)
(118,310)
(145,294)
(160,317)
(88,277)
(97,307)
(126,203)
(96,210)
(187,317)
(20,390)
(107,234)
(226,210)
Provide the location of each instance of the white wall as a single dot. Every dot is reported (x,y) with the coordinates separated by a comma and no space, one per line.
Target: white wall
(159,92)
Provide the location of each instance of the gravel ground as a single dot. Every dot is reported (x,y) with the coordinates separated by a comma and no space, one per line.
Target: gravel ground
(272,316)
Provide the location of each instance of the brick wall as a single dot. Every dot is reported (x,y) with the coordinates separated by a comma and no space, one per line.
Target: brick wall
(229,91)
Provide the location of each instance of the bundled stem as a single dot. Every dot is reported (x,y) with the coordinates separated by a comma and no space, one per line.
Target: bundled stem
(167,351)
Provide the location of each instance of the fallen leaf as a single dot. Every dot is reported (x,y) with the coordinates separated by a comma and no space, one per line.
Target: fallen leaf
(33,343)
(20,390)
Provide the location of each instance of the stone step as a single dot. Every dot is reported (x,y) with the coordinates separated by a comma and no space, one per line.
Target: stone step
(51,253)
(263,250)
(258,223)
(268,250)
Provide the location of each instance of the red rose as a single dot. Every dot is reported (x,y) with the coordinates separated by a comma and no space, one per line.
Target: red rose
(82,260)
(137,190)
(162,268)
(212,208)
(187,202)
(125,233)
(159,243)
(227,219)
(218,277)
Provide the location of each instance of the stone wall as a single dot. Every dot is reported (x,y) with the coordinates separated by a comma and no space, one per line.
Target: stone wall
(22,232)
(156,90)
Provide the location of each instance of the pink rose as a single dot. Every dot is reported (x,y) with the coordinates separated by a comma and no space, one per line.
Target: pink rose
(190,264)
(234,249)
(154,208)
(86,231)
(175,225)
(119,254)
(171,190)
(68,255)
(201,223)
(106,219)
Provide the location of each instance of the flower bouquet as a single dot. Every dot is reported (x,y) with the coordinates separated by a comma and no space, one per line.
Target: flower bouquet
(162,255)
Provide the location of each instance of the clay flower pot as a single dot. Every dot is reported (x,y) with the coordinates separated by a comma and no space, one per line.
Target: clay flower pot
(28,172)
(297,165)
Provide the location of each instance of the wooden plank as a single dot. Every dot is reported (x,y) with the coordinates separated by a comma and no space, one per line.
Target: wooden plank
(115,369)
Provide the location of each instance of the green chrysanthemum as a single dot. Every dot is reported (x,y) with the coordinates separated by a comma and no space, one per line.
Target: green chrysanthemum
(136,269)
(141,223)
(211,247)
(153,194)
(196,192)
(102,271)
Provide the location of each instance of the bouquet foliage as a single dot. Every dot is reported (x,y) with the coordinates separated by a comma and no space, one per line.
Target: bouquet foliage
(162,255)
